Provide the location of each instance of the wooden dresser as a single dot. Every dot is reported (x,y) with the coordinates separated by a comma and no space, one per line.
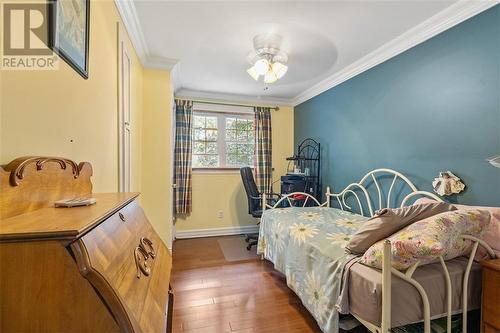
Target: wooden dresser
(99,268)
(490,310)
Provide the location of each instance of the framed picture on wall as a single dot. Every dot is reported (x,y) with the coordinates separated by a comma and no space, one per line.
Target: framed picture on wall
(69,32)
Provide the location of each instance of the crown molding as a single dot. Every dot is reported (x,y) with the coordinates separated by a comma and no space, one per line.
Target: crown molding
(175,77)
(155,62)
(128,14)
(235,98)
(444,20)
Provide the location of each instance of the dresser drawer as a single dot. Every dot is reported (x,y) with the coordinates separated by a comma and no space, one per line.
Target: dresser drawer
(153,316)
(489,329)
(491,297)
(129,265)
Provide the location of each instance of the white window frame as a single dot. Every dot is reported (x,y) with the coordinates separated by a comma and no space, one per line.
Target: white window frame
(221,134)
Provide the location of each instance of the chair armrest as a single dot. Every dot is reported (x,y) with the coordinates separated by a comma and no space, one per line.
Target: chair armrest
(272,198)
(270,195)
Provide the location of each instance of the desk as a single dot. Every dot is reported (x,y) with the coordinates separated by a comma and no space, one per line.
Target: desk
(299,183)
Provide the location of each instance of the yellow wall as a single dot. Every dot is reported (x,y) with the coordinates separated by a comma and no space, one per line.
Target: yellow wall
(157,152)
(224,191)
(42,111)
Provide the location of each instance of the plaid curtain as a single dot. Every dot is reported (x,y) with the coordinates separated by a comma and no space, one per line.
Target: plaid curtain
(263,149)
(182,156)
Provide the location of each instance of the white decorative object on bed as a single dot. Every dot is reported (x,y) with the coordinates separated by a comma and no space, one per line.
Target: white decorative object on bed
(316,238)
(494,160)
(447,184)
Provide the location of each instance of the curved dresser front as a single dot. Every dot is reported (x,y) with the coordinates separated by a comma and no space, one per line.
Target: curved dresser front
(126,261)
(100,268)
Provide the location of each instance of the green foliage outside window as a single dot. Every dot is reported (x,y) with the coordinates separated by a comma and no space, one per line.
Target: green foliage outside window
(222,141)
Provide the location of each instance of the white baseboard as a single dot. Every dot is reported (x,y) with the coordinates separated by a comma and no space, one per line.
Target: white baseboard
(197,233)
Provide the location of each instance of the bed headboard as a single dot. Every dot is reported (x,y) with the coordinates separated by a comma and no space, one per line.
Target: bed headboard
(362,196)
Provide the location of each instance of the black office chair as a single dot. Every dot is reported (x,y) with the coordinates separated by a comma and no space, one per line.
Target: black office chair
(254,201)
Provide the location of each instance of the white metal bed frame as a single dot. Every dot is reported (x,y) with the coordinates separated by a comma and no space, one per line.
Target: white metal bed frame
(387,269)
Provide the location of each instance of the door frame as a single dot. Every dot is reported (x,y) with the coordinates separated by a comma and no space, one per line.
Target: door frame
(124,124)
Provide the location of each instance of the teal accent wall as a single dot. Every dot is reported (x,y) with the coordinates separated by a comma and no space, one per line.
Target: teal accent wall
(434,107)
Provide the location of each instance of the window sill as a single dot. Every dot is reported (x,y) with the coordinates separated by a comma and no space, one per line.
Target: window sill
(219,171)
(216,170)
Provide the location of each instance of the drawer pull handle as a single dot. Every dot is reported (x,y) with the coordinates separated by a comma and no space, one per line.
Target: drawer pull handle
(141,257)
(122,217)
(147,245)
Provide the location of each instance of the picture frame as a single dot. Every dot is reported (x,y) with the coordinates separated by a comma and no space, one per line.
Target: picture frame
(69,32)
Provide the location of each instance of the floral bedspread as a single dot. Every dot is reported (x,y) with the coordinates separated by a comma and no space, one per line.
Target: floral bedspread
(307,245)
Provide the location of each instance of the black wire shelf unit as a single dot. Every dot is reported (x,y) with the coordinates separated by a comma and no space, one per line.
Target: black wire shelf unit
(308,160)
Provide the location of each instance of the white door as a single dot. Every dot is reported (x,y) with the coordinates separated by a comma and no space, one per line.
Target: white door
(124,119)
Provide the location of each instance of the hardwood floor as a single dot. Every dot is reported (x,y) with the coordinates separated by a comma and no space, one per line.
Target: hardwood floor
(213,295)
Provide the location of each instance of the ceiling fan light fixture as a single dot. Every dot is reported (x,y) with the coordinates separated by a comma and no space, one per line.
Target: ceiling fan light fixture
(261,66)
(279,69)
(270,77)
(253,73)
(267,59)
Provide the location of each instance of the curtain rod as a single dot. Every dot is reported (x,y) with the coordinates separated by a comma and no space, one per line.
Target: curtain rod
(276,108)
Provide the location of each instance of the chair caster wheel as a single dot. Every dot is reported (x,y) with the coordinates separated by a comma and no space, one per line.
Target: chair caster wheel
(249,247)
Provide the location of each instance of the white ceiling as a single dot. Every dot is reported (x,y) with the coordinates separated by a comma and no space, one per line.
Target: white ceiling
(210,40)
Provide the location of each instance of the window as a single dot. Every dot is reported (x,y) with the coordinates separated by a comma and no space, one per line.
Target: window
(222,140)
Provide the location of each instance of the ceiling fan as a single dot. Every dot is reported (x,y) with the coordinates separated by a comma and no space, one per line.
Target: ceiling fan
(267,59)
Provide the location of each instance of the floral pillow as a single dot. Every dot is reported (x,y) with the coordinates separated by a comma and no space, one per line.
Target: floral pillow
(492,234)
(426,240)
